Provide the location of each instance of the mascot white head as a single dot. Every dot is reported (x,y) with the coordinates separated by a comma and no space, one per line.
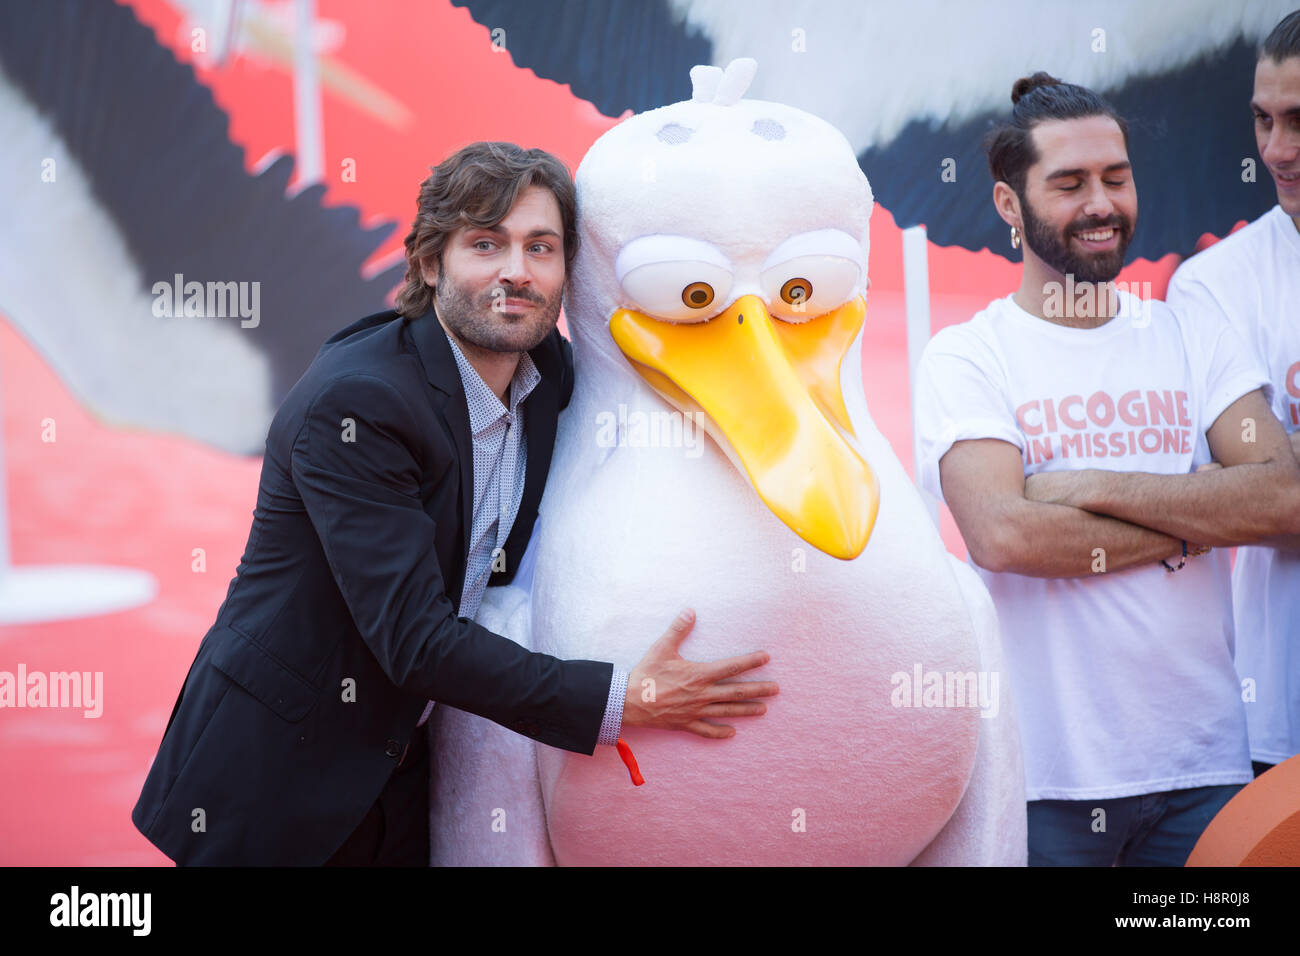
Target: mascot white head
(724,241)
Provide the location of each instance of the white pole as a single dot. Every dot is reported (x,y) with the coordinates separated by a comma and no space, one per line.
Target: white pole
(916,283)
(306,98)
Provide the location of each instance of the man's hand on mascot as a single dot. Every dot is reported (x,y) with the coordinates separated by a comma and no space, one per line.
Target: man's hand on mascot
(669,693)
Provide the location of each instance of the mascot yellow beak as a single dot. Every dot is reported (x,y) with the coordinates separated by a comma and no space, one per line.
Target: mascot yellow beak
(769,393)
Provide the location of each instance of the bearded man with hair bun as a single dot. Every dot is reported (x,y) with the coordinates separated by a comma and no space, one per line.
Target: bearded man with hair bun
(1068,426)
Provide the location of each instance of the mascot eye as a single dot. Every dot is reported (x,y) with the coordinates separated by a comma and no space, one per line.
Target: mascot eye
(698,295)
(805,287)
(796,290)
(682,291)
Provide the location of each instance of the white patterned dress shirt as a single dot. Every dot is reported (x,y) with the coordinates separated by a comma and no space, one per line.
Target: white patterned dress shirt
(500,457)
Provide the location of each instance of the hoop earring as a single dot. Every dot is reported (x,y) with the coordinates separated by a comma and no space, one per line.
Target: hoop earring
(1015,238)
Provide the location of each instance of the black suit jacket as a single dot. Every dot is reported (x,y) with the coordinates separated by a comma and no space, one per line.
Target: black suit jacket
(338,626)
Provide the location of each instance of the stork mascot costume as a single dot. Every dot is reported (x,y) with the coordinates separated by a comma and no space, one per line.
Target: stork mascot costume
(718,454)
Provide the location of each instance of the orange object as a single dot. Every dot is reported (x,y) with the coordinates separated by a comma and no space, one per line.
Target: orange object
(625,752)
(1260,826)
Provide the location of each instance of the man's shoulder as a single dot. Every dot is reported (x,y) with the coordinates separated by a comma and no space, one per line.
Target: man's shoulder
(359,329)
(365,341)
(1147,312)
(370,362)
(377,346)
(975,339)
(1232,256)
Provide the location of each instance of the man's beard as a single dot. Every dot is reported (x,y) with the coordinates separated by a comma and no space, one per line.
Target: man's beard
(475,322)
(1056,252)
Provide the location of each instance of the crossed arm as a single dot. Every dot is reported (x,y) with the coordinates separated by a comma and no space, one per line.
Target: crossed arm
(1051,524)
(1005,530)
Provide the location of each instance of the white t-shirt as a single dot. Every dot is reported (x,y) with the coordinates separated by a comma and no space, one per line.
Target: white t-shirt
(1123,681)
(1253,278)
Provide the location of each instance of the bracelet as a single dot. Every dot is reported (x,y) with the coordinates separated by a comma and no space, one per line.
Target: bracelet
(1181,561)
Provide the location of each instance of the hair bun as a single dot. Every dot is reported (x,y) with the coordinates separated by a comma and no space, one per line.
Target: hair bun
(1027,83)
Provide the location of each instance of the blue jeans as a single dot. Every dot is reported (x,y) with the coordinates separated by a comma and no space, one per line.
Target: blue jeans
(1152,829)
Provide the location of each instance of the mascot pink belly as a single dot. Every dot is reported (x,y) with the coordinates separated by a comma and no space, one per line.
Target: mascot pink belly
(840,770)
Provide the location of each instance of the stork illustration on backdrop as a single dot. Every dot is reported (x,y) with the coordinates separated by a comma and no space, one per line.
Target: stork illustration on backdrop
(720,282)
(145,184)
(915,86)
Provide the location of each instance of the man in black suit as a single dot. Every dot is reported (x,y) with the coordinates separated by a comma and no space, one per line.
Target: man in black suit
(401,475)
